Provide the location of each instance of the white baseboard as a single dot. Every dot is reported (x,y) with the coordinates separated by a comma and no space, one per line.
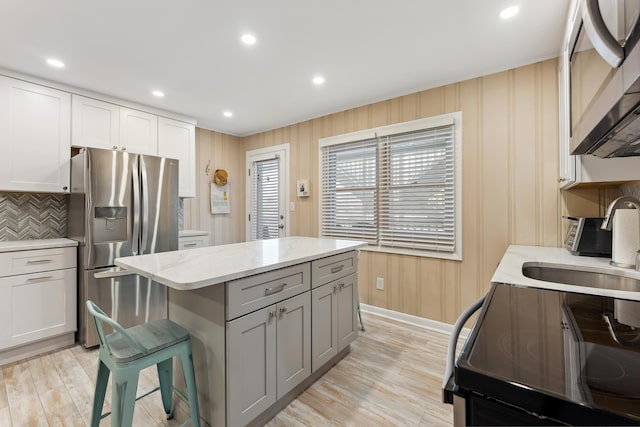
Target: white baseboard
(421,322)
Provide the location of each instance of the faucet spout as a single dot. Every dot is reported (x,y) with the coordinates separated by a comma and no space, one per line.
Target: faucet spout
(624,201)
(620,202)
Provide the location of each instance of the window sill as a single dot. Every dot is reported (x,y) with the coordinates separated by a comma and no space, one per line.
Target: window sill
(413,252)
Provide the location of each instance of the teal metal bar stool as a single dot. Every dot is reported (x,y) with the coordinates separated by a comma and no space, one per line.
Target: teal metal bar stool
(126,352)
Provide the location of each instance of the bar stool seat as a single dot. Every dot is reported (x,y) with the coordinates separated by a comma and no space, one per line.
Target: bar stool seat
(126,352)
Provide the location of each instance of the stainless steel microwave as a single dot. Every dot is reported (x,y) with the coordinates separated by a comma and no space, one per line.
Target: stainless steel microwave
(605,79)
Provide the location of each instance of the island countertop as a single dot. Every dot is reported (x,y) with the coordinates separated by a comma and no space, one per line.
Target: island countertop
(201,267)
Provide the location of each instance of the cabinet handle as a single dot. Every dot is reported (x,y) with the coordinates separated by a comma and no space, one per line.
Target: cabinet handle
(190,244)
(283,310)
(336,269)
(39,261)
(115,147)
(272,313)
(341,285)
(34,279)
(65,188)
(124,148)
(335,288)
(275,289)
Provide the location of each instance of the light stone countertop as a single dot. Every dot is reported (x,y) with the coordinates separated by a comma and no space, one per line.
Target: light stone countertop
(191,233)
(27,245)
(510,270)
(200,267)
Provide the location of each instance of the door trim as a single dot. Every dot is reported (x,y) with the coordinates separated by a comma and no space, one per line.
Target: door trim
(261,154)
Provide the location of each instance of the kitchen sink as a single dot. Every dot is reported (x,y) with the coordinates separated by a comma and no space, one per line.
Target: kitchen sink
(562,274)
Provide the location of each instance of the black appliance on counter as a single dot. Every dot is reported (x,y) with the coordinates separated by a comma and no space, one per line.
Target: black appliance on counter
(543,357)
(585,237)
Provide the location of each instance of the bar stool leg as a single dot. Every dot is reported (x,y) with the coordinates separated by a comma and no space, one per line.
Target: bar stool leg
(98,398)
(165,376)
(123,400)
(187,368)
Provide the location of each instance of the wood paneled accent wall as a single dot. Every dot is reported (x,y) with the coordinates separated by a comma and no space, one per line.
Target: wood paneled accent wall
(510,183)
(216,150)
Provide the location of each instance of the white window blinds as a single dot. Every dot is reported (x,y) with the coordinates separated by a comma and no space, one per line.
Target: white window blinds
(393,191)
(265,207)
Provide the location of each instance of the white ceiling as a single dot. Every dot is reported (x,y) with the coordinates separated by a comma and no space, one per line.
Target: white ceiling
(368,50)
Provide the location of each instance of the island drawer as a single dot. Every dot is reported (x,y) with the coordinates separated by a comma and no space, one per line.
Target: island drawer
(327,269)
(255,292)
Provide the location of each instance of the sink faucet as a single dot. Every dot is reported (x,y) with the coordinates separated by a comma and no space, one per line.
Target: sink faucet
(621,202)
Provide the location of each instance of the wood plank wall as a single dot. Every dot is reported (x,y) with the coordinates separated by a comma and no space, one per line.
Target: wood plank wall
(510,184)
(216,150)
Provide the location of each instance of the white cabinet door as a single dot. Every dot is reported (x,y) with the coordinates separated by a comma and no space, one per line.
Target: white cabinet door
(294,342)
(324,323)
(177,140)
(251,365)
(36,306)
(138,132)
(35,130)
(94,123)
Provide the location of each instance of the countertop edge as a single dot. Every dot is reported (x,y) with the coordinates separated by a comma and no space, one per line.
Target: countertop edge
(27,245)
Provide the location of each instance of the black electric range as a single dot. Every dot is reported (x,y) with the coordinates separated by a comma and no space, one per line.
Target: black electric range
(542,357)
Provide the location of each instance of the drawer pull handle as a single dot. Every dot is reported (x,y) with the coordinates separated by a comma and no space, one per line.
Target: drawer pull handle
(190,244)
(335,288)
(337,268)
(39,261)
(341,285)
(272,313)
(283,310)
(34,279)
(275,289)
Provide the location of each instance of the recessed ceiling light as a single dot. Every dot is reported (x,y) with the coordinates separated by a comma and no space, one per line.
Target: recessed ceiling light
(509,12)
(227,114)
(158,93)
(55,63)
(318,80)
(248,39)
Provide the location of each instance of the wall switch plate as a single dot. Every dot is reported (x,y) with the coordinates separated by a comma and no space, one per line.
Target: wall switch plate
(292,207)
(380,283)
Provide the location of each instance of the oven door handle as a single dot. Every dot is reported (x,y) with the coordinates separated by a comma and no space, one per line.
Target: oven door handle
(448,382)
(113,272)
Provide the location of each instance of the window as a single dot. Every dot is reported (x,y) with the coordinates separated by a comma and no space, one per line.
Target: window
(396,187)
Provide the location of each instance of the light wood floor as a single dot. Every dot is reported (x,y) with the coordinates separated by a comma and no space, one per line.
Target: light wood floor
(392,377)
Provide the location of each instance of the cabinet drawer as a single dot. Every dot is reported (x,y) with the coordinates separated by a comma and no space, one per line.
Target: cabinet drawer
(190,243)
(331,268)
(24,262)
(254,292)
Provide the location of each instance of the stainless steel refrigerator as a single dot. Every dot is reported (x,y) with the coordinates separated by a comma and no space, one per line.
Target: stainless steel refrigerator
(121,204)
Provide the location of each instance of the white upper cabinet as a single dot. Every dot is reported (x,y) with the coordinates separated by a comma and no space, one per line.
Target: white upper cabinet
(94,123)
(138,131)
(35,130)
(177,140)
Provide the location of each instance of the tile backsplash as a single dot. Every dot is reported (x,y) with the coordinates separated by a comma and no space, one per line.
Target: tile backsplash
(631,189)
(26,216)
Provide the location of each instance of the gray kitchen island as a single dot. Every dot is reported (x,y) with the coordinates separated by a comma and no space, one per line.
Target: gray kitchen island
(267,318)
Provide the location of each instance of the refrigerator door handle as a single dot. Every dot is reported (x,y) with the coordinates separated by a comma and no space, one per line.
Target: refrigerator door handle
(145,206)
(135,239)
(113,272)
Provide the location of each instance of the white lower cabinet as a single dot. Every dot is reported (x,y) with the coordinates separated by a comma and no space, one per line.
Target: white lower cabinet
(334,322)
(268,354)
(37,301)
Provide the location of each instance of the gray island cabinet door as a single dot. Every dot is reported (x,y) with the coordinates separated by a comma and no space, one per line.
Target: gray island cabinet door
(251,362)
(294,342)
(324,324)
(347,310)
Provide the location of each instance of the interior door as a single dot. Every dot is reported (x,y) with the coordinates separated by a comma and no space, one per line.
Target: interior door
(267,198)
